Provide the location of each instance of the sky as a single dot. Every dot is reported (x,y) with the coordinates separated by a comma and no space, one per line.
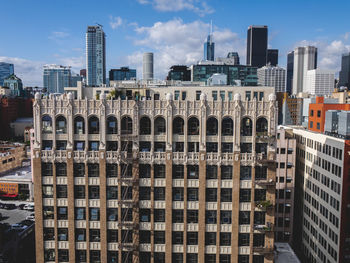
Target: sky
(39,32)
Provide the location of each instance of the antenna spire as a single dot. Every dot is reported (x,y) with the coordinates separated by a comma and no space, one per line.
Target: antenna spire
(211,27)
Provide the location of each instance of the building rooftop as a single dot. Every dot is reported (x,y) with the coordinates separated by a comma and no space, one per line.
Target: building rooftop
(285,254)
(23,173)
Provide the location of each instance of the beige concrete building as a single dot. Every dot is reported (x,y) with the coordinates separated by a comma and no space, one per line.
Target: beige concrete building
(185,176)
(11,155)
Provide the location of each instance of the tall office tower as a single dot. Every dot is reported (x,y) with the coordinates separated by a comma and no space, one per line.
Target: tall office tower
(319,82)
(209,48)
(147,66)
(156,181)
(272,77)
(321,231)
(95,56)
(124,73)
(56,77)
(305,58)
(272,57)
(257,46)
(285,179)
(344,74)
(234,56)
(290,65)
(6,69)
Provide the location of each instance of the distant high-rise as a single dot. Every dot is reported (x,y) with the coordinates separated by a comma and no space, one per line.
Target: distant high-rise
(56,78)
(290,65)
(147,65)
(179,72)
(234,56)
(305,58)
(6,69)
(257,46)
(272,57)
(272,77)
(209,47)
(95,56)
(124,73)
(74,80)
(344,74)
(319,82)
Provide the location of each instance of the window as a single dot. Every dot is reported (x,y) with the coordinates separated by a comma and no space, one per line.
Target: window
(246,173)
(178,194)
(112,214)
(243,239)
(80,213)
(214,95)
(178,238)
(211,172)
(94,126)
(62,234)
(48,212)
(46,122)
(159,237)
(211,194)
(255,95)
(177,257)
(47,191)
(61,191)
(312,113)
(192,171)
(226,172)
(145,236)
(258,240)
(259,218)
(112,146)
(225,258)
(94,192)
(159,193)
(79,169)
(318,113)
(210,238)
(46,145)
(63,255)
(260,195)
(191,258)
(79,145)
(79,127)
(178,216)
(112,192)
(248,95)
(243,258)
(318,126)
(145,193)
(94,145)
(311,124)
(159,257)
(46,169)
(210,258)
(80,234)
(159,215)
(244,217)
(177,95)
(210,216)
(61,125)
(192,238)
(61,169)
(244,195)
(225,239)
(80,256)
(192,194)
(49,234)
(79,191)
(95,256)
(212,147)
(192,216)
(61,145)
(49,255)
(112,127)
(144,171)
(183,95)
(62,213)
(227,147)
(93,170)
(225,217)
(112,256)
(94,214)
(226,195)
(178,171)
(145,215)
(198,94)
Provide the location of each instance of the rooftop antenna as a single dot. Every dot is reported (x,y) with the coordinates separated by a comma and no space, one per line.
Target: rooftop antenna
(211,27)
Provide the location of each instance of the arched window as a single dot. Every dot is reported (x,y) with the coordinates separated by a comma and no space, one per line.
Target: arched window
(46,122)
(79,125)
(178,126)
(246,127)
(261,127)
(94,125)
(159,126)
(61,125)
(126,125)
(145,126)
(112,127)
(227,126)
(193,126)
(212,126)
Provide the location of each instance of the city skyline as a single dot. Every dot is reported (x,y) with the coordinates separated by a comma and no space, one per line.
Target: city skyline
(174,32)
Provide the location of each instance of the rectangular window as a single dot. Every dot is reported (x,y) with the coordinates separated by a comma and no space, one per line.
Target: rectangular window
(225,217)
(225,239)
(62,234)
(177,94)
(62,213)
(61,191)
(211,194)
(226,195)
(94,214)
(318,113)
(210,238)
(192,216)
(210,216)
(159,215)
(192,194)
(226,172)
(214,94)
(198,94)
(222,95)
(178,238)
(159,237)
(94,192)
(192,238)
(178,194)
(183,95)
(159,193)
(80,213)
(211,172)
(244,195)
(261,96)
(247,95)
(93,170)
(230,95)
(80,235)
(79,169)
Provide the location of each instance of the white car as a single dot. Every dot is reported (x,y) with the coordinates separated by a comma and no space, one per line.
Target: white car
(31,217)
(29,207)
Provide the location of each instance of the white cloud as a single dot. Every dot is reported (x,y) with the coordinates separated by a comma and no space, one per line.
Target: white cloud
(58,35)
(175,42)
(115,22)
(197,6)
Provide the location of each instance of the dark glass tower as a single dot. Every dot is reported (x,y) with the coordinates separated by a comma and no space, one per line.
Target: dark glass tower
(272,57)
(290,66)
(344,74)
(209,46)
(257,46)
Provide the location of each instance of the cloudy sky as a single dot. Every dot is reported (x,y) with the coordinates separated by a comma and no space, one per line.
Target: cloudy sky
(38,32)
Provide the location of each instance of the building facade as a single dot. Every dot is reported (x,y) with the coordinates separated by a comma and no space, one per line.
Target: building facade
(6,69)
(257,46)
(290,66)
(319,82)
(179,72)
(285,180)
(305,58)
(272,57)
(178,178)
(272,77)
(15,84)
(56,77)
(124,73)
(344,74)
(95,56)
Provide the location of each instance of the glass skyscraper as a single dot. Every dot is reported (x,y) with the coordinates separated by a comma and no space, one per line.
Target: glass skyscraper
(290,66)
(95,56)
(209,47)
(6,69)
(124,73)
(257,46)
(344,74)
(56,78)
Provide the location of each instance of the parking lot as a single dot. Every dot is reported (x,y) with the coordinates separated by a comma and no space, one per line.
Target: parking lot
(16,215)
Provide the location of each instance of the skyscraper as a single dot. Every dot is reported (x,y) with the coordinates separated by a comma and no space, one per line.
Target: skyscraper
(56,77)
(95,56)
(147,65)
(257,46)
(272,77)
(344,74)
(290,65)
(234,56)
(305,58)
(124,73)
(6,69)
(209,47)
(272,57)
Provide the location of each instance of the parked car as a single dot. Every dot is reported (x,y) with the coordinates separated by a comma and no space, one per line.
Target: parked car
(31,217)
(21,206)
(29,207)
(10,206)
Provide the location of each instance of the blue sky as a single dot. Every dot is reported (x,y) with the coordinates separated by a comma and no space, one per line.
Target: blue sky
(34,33)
